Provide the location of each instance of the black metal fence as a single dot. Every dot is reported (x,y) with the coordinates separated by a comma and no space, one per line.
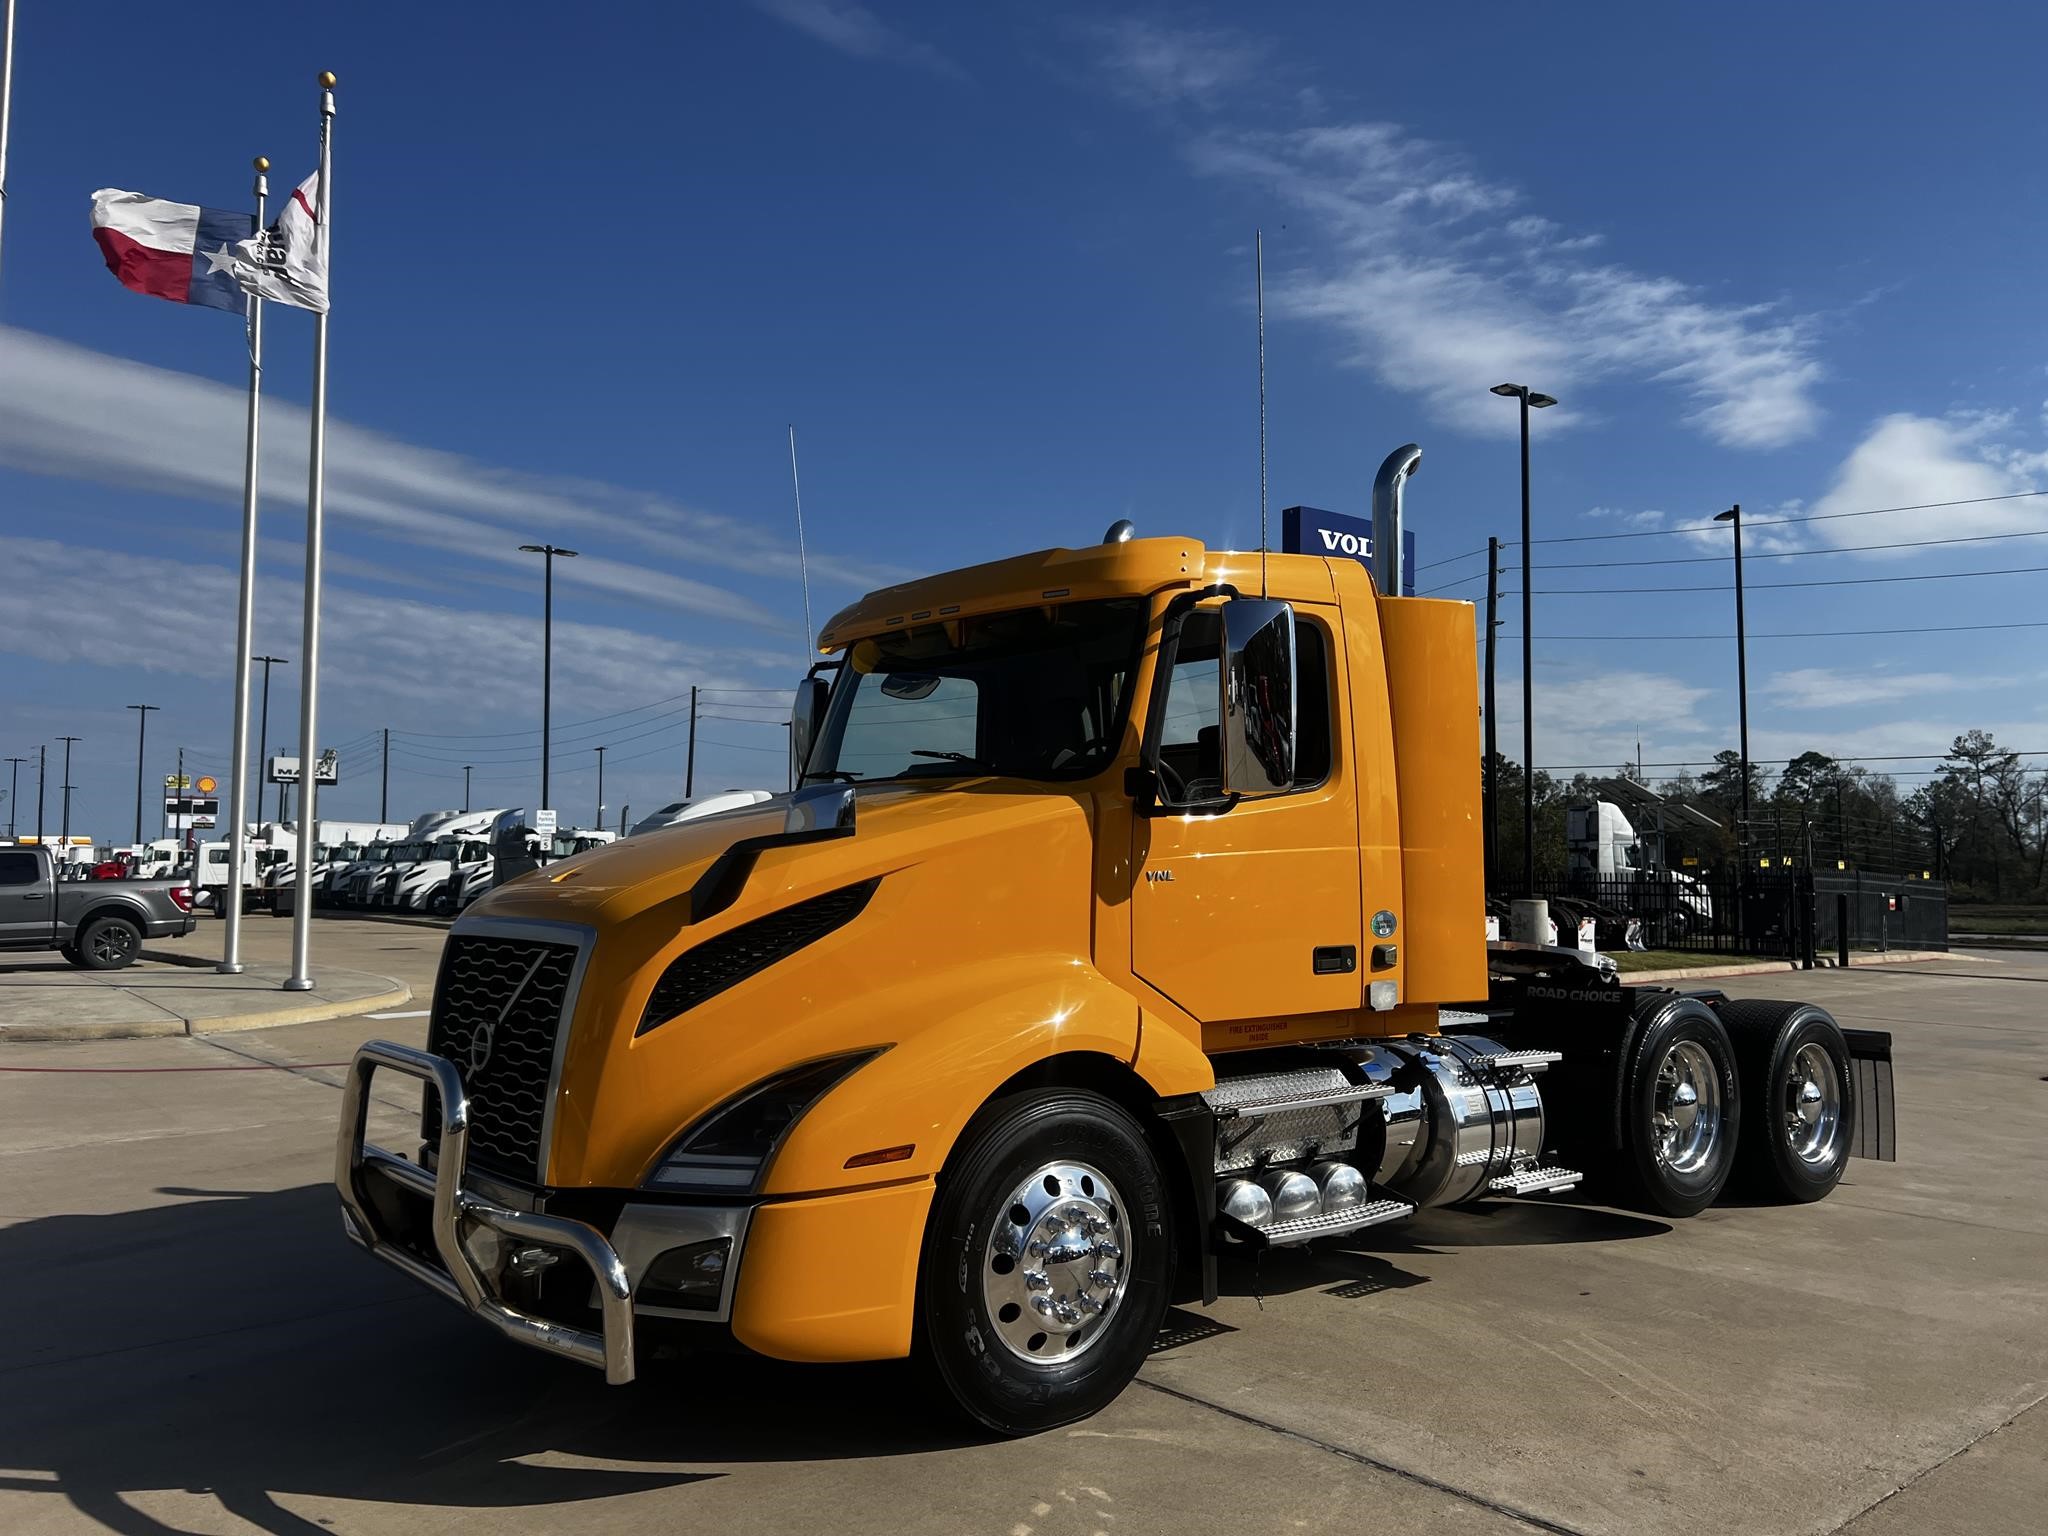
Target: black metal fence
(1775,913)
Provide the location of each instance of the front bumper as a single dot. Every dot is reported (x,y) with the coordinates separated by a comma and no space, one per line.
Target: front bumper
(458,1211)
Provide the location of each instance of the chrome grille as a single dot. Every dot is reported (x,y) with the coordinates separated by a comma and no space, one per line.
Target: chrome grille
(498,1009)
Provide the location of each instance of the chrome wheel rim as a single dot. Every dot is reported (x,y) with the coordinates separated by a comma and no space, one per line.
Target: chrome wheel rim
(1056,1266)
(1813,1105)
(1686,1119)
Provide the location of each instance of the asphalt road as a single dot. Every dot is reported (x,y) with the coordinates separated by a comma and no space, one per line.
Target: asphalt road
(193,1348)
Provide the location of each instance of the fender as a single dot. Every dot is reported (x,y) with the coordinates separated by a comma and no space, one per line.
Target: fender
(987,1024)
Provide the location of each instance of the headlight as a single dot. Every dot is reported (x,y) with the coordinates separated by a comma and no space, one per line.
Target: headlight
(729,1149)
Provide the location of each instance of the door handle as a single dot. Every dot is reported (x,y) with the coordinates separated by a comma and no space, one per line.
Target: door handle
(33,895)
(1335,959)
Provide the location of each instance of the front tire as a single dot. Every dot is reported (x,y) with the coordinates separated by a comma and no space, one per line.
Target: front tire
(109,944)
(1681,1109)
(1801,1093)
(1046,1262)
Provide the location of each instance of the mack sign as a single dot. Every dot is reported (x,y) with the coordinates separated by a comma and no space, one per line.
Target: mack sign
(1312,531)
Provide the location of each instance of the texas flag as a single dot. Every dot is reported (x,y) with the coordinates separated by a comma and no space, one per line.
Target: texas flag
(176,251)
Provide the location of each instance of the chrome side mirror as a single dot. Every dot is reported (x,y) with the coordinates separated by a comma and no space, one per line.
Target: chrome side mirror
(805,716)
(1257,708)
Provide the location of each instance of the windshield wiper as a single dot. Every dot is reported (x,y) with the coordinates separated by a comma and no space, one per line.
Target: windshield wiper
(841,774)
(961,758)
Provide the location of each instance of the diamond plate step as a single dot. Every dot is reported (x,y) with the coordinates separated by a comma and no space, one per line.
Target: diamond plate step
(1284,1234)
(1280,1092)
(1528,1061)
(1535,1181)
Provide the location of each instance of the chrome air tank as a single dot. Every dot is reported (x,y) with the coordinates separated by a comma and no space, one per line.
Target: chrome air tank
(1462,1115)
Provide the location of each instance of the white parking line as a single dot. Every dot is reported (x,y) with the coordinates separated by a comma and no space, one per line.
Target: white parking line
(417,1013)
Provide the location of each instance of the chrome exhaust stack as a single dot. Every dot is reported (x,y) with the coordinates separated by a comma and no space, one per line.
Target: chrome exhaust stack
(1395,471)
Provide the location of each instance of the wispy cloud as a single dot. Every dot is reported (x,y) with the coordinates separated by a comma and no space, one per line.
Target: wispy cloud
(1166,66)
(480,664)
(857,31)
(72,412)
(1909,461)
(1835,688)
(1447,284)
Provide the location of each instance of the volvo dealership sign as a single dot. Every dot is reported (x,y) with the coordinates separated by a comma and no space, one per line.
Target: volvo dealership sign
(1312,531)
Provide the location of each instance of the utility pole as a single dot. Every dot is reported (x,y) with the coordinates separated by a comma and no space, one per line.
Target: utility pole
(547,652)
(184,794)
(42,762)
(465,784)
(1530,399)
(141,735)
(384,793)
(1734,515)
(599,823)
(690,762)
(13,794)
(1492,807)
(67,740)
(263,733)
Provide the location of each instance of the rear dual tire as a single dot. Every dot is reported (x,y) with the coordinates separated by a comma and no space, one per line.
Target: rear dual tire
(1800,1091)
(1680,1109)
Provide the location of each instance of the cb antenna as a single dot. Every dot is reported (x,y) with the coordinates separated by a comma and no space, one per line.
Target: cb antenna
(1259,288)
(802,559)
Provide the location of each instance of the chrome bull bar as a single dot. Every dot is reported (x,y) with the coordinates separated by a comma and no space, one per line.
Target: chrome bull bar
(461,1281)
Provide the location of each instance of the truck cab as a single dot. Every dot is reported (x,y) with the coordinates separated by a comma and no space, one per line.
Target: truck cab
(1128,915)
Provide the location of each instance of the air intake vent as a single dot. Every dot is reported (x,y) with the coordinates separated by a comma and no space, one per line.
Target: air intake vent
(726,961)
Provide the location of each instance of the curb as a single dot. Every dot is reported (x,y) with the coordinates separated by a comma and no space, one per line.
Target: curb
(1785,967)
(314,1012)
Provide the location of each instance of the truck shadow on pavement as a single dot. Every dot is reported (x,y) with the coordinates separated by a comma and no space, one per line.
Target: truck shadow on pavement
(233,1345)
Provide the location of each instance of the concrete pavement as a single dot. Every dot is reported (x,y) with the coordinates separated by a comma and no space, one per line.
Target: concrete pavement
(196,1349)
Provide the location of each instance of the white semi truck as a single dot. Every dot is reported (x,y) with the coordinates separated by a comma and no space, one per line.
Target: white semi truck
(1612,860)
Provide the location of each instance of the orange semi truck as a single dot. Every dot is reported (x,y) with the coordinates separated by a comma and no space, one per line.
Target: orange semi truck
(1127,916)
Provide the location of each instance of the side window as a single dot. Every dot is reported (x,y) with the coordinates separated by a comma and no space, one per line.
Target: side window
(19,867)
(1189,748)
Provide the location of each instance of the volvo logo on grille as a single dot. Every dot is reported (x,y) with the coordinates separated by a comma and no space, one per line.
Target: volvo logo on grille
(480,1046)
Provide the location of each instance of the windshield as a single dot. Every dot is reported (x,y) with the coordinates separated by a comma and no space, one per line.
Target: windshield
(1040,693)
(444,848)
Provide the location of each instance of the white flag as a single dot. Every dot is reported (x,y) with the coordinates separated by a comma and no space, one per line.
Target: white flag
(288,261)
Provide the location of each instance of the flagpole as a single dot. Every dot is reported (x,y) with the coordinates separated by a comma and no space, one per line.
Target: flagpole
(6,99)
(245,627)
(300,979)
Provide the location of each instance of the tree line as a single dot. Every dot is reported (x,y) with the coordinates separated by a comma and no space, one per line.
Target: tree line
(1980,822)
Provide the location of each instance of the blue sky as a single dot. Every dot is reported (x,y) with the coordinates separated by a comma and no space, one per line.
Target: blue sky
(994,262)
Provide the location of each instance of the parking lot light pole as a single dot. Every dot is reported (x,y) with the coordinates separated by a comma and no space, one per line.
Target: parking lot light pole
(548,552)
(1531,400)
(141,735)
(600,788)
(465,784)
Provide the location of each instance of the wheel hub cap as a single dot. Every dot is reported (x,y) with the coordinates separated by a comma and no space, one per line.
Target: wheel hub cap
(1054,1271)
(1687,1115)
(1813,1105)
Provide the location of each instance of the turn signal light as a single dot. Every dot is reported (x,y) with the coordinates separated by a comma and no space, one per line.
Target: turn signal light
(881,1155)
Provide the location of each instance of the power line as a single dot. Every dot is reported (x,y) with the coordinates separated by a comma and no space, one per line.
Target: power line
(1779,522)
(1794,554)
(1805,634)
(1450,560)
(1832,581)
